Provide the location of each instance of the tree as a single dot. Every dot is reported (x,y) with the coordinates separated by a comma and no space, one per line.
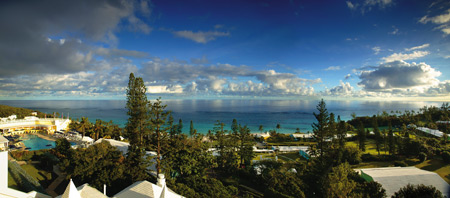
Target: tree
(337,183)
(245,149)
(137,105)
(99,164)
(180,126)
(361,137)
(234,126)
(136,128)
(391,141)
(341,132)
(261,128)
(63,148)
(158,117)
(418,191)
(320,129)
(278,126)
(191,129)
(84,124)
(378,138)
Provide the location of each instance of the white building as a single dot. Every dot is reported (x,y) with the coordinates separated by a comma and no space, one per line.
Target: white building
(394,178)
(12,125)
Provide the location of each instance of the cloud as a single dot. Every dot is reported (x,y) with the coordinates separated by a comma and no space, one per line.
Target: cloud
(418,47)
(224,79)
(376,49)
(202,60)
(401,56)
(348,76)
(399,76)
(200,36)
(442,19)
(350,5)
(46,37)
(395,31)
(333,68)
(343,89)
(439,19)
(367,5)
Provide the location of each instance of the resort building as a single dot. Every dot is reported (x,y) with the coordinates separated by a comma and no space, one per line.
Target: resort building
(432,132)
(394,178)
(262,135)
(32,124)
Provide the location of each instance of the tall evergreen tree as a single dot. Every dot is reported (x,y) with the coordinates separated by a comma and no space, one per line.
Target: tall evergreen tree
(361,137)
(376,131)
(135,129)
(180,126)
(234,126)
(320,129)
(158,118)
(191,129)
(245,145)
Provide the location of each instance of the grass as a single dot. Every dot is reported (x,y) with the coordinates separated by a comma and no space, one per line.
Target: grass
(292,155)
(12,183)
(371,147)
(437,166)
(45,178)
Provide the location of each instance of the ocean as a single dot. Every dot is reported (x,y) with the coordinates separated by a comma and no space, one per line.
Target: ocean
(290,114)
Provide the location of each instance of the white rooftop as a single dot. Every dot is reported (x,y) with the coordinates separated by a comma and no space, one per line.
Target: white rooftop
(394,178)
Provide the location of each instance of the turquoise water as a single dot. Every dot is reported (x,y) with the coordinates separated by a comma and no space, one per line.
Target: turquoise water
(290,114)
(37,143)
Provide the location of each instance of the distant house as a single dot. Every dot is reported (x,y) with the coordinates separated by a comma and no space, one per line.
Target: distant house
(298,136)
(262,135)
(34,113)
(394,178)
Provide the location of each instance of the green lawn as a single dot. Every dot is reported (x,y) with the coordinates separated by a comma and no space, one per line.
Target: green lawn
(370,146)
(437,166)
(44,177)
(292,155)
(12,183)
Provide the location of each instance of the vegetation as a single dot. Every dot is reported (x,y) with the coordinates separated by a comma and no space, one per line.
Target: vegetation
(6,111)
(413,191)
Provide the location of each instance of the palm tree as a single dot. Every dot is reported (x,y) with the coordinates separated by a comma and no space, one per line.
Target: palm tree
(84,124)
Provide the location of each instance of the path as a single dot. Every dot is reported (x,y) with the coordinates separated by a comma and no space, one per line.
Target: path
(61,177)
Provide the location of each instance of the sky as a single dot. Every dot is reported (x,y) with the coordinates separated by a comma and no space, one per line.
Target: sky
(278,49)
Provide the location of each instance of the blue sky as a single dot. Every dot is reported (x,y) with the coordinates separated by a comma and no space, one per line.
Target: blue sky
(350,50)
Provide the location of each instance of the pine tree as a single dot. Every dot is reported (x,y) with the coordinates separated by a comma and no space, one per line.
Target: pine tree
(191,129)
(158,117)
(136,128)
(234,126)
(361,137)
(320,129)
(378,138)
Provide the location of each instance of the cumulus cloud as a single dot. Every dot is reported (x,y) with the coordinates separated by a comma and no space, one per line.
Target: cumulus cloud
(200,36)
(28,46)
(399,76)
(418,47)
(333,68)
(343,89)
(225,78)
(401,56)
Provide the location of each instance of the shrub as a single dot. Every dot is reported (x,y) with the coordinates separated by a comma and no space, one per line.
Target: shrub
(422,156)
(418,191)
(446,156)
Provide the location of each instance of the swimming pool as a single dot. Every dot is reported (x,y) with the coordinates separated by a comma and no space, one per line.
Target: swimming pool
(36,143)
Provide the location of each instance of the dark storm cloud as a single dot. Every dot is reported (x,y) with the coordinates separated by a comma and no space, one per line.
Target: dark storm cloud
(44,36)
